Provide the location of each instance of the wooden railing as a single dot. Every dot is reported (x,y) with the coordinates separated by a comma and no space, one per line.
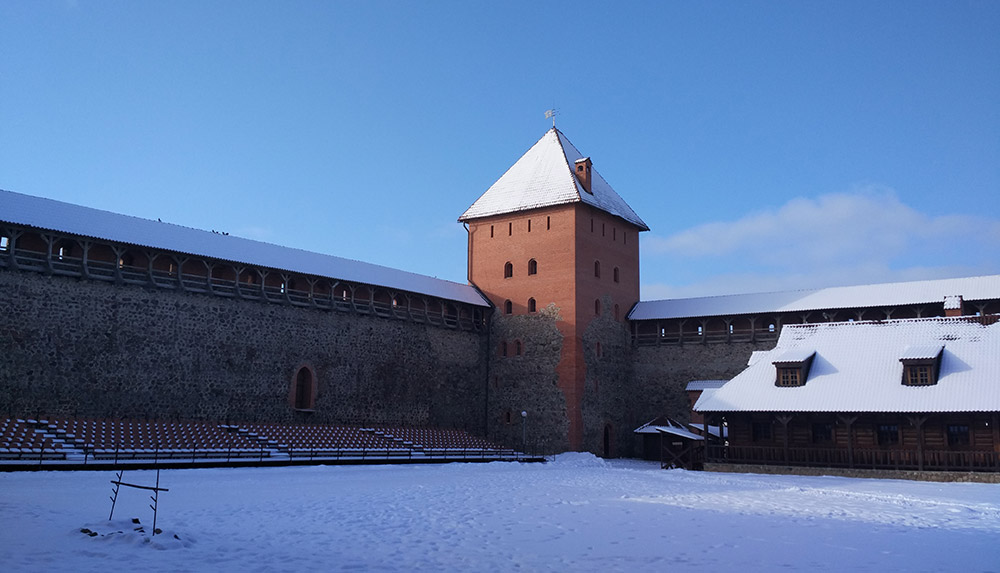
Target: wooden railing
(711,337)
(870,458)
(231,288)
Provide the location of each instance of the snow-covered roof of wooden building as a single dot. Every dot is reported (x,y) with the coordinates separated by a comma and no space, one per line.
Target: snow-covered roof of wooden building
(858,367)
(63,217)
(544,177)
(861,296)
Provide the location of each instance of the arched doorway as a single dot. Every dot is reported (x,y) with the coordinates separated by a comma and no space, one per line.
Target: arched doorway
(304,389)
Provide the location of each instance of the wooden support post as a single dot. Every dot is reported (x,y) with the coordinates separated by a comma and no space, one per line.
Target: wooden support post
(784,419)
(995,422)
(849,422)
(918,423)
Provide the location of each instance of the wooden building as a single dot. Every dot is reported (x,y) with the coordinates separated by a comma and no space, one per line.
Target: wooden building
(916,394)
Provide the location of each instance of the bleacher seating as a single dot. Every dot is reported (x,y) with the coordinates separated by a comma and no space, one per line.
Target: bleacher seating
(20,441)
(89,439)
(433,441)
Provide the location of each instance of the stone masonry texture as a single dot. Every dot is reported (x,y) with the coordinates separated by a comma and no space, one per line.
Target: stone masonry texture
(82,348)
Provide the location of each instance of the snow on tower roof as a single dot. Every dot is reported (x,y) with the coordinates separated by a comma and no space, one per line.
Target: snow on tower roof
(54,215)
(858,368)
(861,296)
(544,177)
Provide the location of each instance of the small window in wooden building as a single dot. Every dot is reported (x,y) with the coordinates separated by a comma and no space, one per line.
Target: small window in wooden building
(822,433)
(921,365)
(508,307)
(4,243)
(792,368)
(532,267)
(958,435)
(760,431)
(789,377)
(887,434)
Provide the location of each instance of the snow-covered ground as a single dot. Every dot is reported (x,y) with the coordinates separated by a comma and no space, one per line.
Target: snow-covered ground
(577,513)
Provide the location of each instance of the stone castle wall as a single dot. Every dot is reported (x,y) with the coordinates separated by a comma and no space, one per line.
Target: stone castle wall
(662,373)
(527,382)
(76,347)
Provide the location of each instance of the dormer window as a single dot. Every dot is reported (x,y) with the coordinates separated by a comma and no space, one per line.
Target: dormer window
(792,368)
(921,365)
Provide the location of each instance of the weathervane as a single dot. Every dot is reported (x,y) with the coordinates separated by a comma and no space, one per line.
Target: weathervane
(551,114)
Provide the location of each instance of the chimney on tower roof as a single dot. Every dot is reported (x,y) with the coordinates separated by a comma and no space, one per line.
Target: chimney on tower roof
(583,173)
(954,305)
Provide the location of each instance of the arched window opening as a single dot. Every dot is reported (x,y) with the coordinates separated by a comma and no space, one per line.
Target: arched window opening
(304,389)
(507,417)
(597,307)
(531,305)
(532,267)
(64,249)
(508,270)
(508,307)
(125,260)
(616,274)
(517,348)
(597,269)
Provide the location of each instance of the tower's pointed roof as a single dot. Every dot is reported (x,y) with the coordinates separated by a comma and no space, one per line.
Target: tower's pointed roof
(543,177)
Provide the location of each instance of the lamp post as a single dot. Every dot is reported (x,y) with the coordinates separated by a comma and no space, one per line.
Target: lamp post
(524,431)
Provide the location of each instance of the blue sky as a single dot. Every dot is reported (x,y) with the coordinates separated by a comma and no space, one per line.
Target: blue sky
(769,146)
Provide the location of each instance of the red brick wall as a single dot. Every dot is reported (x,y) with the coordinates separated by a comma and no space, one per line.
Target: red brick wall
(565,241)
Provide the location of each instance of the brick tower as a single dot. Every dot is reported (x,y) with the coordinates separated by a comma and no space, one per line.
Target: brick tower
(553,246)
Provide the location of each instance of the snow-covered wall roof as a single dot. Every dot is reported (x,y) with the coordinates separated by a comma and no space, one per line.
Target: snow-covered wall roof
(544,177)
(861,296)
(857,368)
(53,215)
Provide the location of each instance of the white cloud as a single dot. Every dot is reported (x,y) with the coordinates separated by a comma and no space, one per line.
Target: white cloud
(865,236)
